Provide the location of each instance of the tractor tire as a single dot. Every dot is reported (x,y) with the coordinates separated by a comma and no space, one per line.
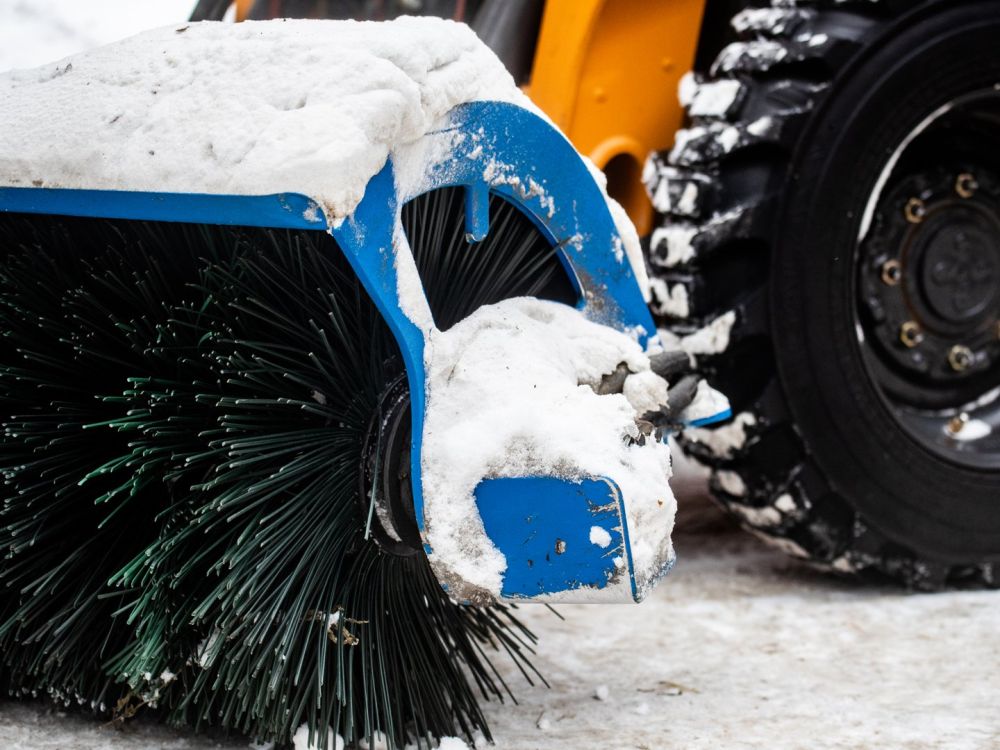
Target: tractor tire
(828,248)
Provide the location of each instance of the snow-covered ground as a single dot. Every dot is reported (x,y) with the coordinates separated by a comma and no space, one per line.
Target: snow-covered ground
(739,648)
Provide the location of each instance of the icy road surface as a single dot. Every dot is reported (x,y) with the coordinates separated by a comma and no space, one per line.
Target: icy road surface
(740,648)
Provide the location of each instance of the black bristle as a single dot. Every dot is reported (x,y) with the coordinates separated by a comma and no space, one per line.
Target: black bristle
(184,409)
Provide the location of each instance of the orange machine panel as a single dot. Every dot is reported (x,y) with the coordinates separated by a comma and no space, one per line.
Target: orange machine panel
(606,71)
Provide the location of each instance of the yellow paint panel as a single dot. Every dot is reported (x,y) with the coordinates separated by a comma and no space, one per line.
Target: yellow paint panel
(606,71)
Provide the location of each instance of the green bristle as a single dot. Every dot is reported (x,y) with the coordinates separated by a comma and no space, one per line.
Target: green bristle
(184,413)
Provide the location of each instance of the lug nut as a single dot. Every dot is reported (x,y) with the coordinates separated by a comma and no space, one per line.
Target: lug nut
(960,358)
(892,272)
(957,423)
(915,210)
(966,185)
(910,334)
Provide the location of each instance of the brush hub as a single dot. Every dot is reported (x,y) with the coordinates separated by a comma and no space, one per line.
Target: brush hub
(386,493)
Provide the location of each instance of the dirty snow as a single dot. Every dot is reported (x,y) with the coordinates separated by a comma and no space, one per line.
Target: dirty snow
(311,107)
(743,648)
(510,393)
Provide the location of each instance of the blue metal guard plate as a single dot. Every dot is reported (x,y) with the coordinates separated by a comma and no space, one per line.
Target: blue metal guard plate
(562,539)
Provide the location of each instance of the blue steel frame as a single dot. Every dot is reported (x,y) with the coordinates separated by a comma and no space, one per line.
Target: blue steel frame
(487,147)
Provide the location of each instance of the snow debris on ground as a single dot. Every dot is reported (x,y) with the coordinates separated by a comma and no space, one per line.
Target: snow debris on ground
(310,107)
(743,649)
(511,392)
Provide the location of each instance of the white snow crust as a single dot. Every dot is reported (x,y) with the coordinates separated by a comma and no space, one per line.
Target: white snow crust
(510,394)
(310,107)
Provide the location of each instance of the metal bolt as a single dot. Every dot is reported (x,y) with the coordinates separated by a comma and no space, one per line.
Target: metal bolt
(960,357)
(957,423)
(915,210)
(966,185)
(560,546)
(892,272)
(910,334)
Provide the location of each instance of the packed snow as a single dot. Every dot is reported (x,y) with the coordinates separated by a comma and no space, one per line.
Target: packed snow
(512,392)
(743,649)
(310,107)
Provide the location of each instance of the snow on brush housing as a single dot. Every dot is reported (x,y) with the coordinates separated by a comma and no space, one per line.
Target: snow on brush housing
(316,108)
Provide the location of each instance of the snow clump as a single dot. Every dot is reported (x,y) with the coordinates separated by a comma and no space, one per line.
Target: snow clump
(511,393)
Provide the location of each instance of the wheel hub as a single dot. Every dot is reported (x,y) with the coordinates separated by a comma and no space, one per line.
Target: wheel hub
(957,271)
(931,278)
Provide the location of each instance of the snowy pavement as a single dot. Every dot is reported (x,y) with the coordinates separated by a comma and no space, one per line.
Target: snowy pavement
(740,648)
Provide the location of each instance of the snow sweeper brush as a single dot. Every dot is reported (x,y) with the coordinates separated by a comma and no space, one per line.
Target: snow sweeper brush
(319,345)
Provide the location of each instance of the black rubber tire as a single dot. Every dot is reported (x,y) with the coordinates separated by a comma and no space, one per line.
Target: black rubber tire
(760,203)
